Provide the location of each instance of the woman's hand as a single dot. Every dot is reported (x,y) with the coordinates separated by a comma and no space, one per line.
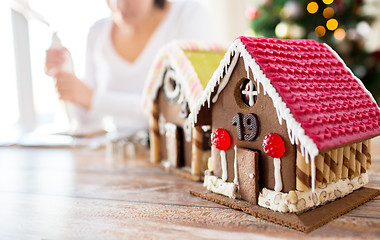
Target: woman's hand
(70,88)
(55,58)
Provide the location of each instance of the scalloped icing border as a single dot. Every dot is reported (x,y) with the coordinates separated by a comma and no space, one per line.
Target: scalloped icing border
(294,201)
(300,201)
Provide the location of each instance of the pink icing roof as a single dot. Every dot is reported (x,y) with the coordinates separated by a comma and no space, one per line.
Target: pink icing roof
(322,94)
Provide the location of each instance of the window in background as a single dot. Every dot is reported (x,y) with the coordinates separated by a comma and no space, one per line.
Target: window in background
(71,19)
(8,92)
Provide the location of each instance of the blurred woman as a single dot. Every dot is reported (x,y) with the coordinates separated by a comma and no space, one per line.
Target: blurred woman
(120,50)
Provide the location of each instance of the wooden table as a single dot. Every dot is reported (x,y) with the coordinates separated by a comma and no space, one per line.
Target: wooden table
(63,193)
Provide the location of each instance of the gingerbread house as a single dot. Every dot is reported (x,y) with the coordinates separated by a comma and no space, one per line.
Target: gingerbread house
(291,125)
(177,79)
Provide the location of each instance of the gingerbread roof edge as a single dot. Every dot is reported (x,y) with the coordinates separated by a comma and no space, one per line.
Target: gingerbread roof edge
(173,55)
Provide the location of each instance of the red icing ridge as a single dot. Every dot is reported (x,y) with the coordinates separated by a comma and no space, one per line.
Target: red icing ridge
(323,96)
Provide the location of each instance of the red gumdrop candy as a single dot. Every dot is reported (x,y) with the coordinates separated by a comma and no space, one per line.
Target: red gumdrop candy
(274,145)
(221,139)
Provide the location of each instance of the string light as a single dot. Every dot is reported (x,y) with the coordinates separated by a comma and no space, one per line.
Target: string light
(339,34)
(284,13)
(282,30)
(312,7)
(320,31)
(332,24)
(327,2)
(328,12)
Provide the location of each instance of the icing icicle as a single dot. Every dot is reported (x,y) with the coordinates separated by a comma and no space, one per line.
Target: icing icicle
(224,165)
(225,79)
(277,174)
(236,179)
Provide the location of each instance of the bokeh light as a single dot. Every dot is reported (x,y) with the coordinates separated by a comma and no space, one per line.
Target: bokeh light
(328,1)
(332,24)
(320,31)
(282,30)
(312,7)
(339,34)
(251,13)
(328,12)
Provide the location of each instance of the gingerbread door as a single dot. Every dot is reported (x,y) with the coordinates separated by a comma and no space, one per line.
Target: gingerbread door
(173,144)
(248,174)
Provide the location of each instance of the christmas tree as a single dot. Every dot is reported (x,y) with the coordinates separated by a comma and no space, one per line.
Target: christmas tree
(342,24)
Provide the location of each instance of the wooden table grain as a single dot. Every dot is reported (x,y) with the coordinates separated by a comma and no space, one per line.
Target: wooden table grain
(74,193)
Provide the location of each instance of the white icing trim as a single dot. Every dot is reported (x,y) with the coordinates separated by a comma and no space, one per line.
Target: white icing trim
(224,165)
(215,79)
(277,174)
(299,201)
(226,78)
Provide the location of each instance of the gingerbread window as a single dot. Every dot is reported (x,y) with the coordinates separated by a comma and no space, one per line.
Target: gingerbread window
(171,87)
(245,93)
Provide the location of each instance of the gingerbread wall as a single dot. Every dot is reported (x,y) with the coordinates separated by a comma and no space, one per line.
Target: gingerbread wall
(171,112)
(222,113)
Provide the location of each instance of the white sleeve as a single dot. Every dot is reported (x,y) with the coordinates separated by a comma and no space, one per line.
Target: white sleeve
(106,102)
(116,103)
(125,106)
(89,77)
(195,22)
(85,118)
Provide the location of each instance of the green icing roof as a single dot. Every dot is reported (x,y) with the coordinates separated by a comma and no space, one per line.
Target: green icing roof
(204,63)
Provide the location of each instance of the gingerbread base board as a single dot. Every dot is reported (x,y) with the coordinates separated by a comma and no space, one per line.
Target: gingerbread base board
(304,222)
